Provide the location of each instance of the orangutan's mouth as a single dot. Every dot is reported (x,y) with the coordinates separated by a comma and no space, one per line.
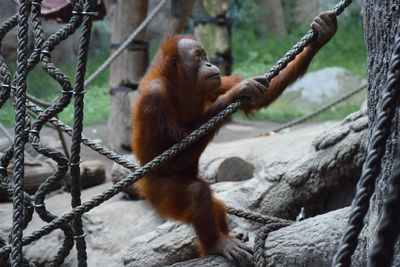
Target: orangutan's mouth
(214,76)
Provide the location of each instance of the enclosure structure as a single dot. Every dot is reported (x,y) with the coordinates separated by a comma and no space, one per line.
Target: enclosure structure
(28,130)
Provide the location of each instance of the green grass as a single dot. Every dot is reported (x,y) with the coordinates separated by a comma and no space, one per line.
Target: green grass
(97,99)
(256,52)
(40,85)
(282,112)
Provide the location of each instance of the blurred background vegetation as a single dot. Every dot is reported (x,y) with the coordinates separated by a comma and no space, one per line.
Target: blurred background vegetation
(254,51)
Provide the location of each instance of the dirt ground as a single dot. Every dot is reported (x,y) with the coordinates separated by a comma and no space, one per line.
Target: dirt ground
(233,130)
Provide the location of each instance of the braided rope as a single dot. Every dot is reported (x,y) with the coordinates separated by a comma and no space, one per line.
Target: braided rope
(305,41)
(388,229)
(5,75)
(259,242)
(19,142)
(372,165)
(77,134)
(108,153)
(257,217)
(271,224)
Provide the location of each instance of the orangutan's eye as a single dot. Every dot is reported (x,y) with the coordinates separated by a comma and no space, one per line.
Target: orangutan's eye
(198,53)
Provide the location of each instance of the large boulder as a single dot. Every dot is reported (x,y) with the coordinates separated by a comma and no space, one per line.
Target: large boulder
(315,167)
(321,87)
(309,168)
(252,155)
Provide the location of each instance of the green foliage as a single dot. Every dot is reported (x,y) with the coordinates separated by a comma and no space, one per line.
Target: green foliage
(40,85)
(7,115)
(282,111)
(255,52)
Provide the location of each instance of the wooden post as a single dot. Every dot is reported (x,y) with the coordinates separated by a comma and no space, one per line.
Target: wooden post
(126,70)
(272,16)
(213,32)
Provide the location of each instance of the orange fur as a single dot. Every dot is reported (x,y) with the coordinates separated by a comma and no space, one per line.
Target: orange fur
(170,107)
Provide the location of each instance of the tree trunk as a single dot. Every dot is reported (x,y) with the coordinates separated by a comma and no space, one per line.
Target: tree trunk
(125,71)
(273,16)
(171,20)
(380,21)
(212,30)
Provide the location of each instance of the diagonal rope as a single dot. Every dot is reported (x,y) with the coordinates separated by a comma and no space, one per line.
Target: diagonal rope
(317,112)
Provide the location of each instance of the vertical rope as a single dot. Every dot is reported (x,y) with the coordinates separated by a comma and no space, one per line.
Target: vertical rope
(388,228)
(77,132)
(19,144)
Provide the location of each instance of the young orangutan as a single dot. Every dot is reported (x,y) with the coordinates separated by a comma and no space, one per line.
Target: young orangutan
(181,91)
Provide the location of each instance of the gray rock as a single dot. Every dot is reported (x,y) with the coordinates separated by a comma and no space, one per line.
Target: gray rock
(258,152)
(308,243)
(4,143)
(109,228)
(290,246)
(93,172)
(234,169)
(167,244)
(321,87)
(288,174)
(119,172)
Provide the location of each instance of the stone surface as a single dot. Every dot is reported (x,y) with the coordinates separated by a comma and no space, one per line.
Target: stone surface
(321,87)
(308,243)
(307,168)
(167,244)
(119,172)
(109,228)
(234,169)
(260,151)
(286,178)
(93,173)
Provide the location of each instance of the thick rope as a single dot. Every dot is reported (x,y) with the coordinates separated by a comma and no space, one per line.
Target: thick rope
(372,165)
(388,228)
(270,223)
(257,217)
(5,75)
(259,242)
(19,142)
(77,133)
